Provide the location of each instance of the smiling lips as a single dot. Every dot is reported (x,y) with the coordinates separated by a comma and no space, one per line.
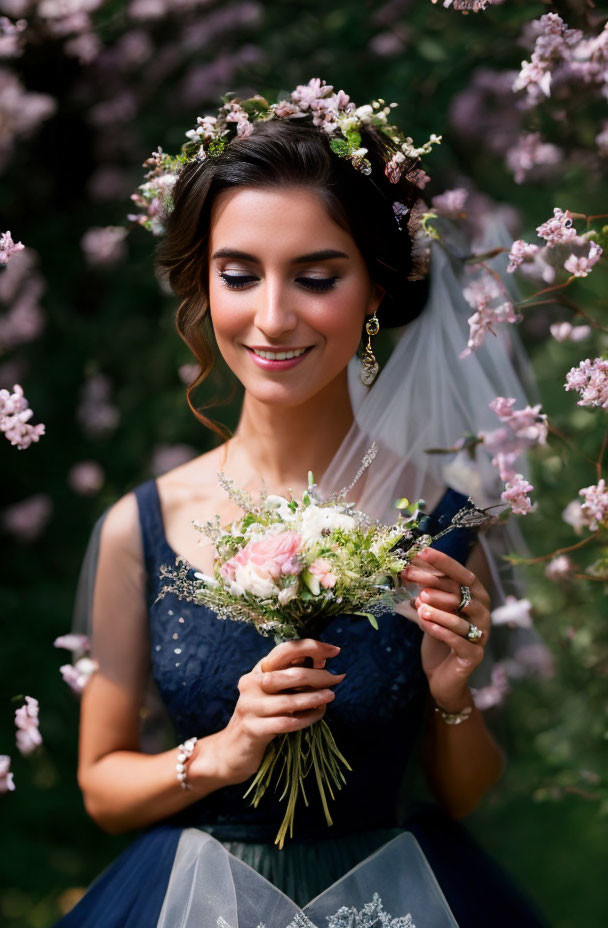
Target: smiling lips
(277,359)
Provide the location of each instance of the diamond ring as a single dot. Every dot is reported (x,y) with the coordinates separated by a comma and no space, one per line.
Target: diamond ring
(474,633)
(465,593)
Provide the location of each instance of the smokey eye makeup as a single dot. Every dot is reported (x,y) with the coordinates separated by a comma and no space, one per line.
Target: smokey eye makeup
(316,284)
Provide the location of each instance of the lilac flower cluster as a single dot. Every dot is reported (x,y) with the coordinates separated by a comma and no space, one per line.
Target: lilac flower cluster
(563,248)
(590,379)
(7,784)
(530,152)
(595,508)
(26,719)
(553,47)
(521,430)
(8,247)
(469,6)
(566,332)
(14,419)
(492,306)
(77,674)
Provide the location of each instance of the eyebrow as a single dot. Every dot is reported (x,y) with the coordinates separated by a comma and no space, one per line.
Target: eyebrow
(323,255)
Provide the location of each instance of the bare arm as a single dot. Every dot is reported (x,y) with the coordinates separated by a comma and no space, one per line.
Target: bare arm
(124,788)
(462,762)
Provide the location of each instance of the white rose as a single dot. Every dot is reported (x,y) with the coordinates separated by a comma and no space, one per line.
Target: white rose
(251,582)
(314,519)
(281,505)
(290,592)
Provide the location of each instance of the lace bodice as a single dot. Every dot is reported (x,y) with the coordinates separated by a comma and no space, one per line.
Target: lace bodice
(197,660)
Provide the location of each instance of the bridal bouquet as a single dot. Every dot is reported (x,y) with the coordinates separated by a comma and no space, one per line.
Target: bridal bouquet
(285,567)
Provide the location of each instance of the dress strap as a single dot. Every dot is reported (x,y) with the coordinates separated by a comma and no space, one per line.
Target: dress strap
(151,522)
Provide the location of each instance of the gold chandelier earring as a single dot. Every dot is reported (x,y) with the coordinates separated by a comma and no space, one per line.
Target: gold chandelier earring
(369,364)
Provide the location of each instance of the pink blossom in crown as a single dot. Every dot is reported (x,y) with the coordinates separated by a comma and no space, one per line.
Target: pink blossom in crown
(590,379)
(7,783)
(26,719)
(270,558)
(595,508)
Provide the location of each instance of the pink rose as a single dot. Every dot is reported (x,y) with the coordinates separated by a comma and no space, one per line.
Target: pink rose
(321,569)
(267,559)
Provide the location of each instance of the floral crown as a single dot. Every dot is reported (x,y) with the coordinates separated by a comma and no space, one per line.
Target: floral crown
(333,113)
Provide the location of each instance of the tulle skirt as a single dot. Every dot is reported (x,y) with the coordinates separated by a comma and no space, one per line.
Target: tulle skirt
(428,874)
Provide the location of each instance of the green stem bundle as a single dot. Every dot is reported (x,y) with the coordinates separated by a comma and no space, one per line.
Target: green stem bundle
(295,755)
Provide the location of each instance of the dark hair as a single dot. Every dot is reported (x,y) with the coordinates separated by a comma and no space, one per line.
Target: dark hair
(286,152)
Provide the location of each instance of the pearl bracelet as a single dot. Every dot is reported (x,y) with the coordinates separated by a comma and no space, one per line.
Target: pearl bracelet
(454,718)
(184,753)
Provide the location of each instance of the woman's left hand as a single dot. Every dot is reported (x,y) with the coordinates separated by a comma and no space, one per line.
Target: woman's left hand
(448,657)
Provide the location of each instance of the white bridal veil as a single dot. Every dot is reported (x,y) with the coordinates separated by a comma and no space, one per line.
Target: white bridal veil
(427,396)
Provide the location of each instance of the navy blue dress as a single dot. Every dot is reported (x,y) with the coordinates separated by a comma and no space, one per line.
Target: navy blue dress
(375,718)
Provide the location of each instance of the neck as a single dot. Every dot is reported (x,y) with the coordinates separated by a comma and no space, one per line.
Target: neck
(281,444)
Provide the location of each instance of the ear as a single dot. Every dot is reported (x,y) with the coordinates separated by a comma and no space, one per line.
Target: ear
(378,293)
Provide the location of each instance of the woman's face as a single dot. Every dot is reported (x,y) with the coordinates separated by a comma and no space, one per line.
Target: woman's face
(285,280)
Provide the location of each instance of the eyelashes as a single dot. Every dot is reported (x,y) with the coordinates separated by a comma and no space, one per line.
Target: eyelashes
(316,284)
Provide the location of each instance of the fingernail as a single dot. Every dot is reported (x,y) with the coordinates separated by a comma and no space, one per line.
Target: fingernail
(426,612)
(425,596)
(334,647)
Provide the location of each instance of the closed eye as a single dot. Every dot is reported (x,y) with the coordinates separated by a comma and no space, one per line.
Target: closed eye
(319,284)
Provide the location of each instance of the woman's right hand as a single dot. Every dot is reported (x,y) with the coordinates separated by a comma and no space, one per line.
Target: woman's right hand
(279,695)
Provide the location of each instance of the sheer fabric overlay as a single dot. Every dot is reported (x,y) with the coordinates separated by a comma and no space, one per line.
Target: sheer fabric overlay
(210,888)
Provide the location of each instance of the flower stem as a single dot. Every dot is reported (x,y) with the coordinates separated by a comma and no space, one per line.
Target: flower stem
(292,757)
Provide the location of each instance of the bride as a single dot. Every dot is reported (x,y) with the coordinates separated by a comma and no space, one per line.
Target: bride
(288,255)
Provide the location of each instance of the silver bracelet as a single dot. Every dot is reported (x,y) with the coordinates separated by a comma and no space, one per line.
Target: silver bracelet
(454,718)
(184,753)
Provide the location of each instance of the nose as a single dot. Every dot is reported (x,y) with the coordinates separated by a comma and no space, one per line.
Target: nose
(275,314)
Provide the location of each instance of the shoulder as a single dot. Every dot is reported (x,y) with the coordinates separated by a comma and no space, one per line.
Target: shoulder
(194,480)
(120,533)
